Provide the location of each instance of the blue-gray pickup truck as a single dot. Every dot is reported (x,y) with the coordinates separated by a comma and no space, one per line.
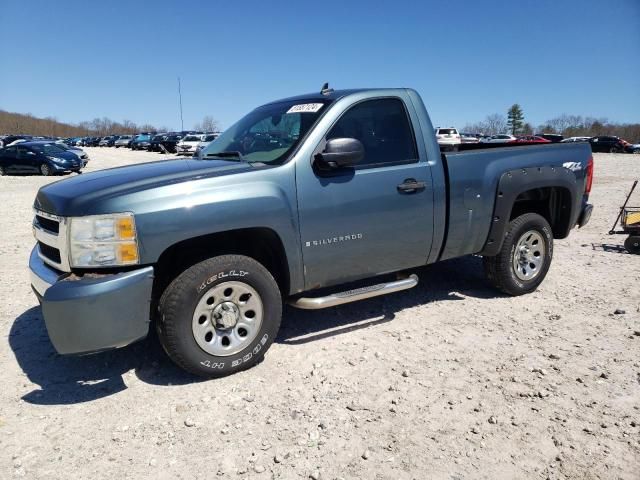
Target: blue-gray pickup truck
(294,203)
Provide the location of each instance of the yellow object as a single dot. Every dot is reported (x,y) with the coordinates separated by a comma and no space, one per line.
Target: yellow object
(127,252)
(125,228)
(632,218)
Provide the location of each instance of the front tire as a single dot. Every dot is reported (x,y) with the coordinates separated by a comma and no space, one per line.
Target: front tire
(3,172)
(525,257)
(220,316)
(45,170)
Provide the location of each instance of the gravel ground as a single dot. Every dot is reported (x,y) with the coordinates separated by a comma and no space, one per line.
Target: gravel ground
(447,380)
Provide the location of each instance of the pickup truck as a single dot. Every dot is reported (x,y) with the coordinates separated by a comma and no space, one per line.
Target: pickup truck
(294,203)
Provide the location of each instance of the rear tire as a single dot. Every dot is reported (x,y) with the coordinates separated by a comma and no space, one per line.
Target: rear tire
(2,172)
(525,257)
(220,316)
(632,244)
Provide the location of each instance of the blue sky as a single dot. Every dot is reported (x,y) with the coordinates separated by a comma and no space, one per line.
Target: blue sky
(77,60)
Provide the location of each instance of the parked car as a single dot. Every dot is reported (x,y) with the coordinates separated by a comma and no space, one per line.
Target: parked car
(529,139)
(81,154)
(292,203)
(45,158)
(91,141)
(552,137)
(123,141)
(10,139)
(169,142)
(633,148)
(107,141)
(608,144)
(575,139)
(187,146)
(156,141)
(141,141)
(470,137)
(208,138)
(502,138)
(448,138)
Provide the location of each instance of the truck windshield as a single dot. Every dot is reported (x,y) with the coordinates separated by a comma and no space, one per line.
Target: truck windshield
(269,133)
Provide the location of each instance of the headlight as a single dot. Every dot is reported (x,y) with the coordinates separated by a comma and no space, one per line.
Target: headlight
(103,241)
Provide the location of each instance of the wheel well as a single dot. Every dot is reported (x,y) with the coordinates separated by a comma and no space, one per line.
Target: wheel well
(553,203)
(261,244)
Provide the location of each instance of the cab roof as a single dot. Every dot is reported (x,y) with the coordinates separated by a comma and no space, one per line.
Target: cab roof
(329,95)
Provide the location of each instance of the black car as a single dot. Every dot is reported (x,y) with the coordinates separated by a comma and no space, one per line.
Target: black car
(112,140)
(169,142)
(608,144)
(45,158)
(12,138)
(154,144)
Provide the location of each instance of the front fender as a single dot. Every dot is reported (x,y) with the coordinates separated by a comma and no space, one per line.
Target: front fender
(264,198)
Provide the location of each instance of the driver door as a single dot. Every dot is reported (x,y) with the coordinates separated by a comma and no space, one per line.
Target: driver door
(361,221)
(26,160)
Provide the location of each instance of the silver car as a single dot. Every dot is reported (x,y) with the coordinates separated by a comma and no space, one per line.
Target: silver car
(123,141)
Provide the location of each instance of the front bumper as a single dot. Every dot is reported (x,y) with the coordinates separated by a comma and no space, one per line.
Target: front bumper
(85,315)
(68,167)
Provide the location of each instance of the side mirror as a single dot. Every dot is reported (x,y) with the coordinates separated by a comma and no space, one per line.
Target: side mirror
(341,153)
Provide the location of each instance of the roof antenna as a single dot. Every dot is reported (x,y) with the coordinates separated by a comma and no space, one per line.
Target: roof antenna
(325,89)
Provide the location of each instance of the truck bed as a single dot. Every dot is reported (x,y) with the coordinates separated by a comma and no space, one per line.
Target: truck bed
(473,178)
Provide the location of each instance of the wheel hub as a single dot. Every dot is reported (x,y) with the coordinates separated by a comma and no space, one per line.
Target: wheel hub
(225,315)
(529,255)
(227,318)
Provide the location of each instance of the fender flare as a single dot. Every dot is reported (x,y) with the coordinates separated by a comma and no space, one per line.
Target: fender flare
(515,182)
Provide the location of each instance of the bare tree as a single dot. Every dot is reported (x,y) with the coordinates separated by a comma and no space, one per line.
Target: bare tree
(208,124)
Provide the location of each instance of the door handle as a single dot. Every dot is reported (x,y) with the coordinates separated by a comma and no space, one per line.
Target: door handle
(411,185)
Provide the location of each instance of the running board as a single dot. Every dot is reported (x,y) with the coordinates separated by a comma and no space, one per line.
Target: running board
(349,296)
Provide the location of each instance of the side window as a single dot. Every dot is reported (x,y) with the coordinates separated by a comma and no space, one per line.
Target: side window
(383,128)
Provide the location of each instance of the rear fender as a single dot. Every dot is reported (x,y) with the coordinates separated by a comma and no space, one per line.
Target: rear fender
(516,182)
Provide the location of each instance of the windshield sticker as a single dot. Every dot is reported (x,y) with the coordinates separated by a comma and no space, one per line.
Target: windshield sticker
(305,108)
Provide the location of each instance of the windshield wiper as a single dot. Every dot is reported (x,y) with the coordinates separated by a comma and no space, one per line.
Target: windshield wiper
(229,154)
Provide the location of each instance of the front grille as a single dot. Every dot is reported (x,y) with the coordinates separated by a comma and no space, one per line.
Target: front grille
(48,224)
(51,234)
(51,253)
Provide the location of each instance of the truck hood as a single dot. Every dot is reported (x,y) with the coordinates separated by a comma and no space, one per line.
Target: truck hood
(73,196)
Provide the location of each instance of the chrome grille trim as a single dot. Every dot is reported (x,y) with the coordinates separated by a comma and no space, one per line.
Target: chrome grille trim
(57,241)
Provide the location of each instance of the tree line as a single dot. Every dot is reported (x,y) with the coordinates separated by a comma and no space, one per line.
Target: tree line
(566,125)
(19,123)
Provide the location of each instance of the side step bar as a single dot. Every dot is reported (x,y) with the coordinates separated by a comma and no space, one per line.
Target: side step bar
(349,296)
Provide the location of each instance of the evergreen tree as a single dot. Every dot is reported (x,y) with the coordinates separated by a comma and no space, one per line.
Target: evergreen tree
(515,119)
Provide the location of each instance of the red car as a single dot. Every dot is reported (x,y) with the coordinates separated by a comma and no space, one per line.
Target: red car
(530,139)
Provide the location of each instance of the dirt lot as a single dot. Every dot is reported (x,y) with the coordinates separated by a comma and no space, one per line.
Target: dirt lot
(447,380)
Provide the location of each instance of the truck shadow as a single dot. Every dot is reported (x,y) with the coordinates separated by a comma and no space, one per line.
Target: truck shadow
(444,281)
(65,380)
(70,380)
